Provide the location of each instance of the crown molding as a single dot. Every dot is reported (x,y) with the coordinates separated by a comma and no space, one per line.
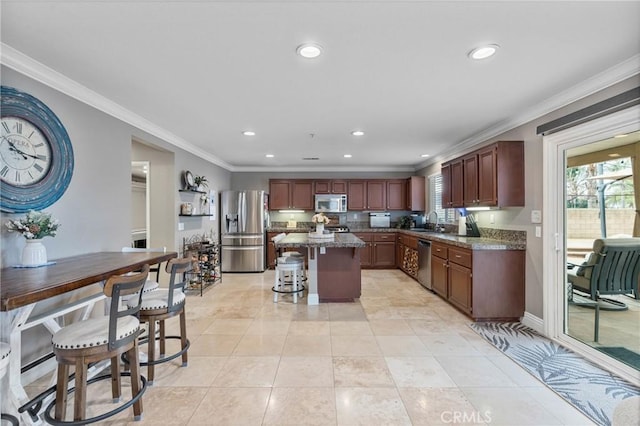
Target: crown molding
(372,168)
(609,77)
(31,68)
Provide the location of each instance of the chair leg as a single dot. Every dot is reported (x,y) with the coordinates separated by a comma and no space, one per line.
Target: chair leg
(294,286)
(151,355)
(135,380)
(163,341)
(116,381)
(276,286)
(61,391)
(80,400)
(183,336)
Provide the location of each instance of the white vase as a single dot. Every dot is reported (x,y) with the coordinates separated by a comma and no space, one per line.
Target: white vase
(319,228)
(34,253)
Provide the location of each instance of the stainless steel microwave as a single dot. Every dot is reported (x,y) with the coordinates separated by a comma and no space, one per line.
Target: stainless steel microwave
(331,203)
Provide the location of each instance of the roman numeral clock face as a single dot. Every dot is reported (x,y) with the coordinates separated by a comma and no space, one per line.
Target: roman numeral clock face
(36,157)
(25,153)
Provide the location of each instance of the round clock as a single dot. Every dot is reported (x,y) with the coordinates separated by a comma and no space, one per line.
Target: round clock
(36,157)
(189,180)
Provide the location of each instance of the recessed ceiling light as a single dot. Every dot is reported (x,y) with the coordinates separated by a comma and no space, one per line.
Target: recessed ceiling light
(269,156)
(249,133)
(357,133)
(309,50)
(424,155)
(347,156)
(484,52)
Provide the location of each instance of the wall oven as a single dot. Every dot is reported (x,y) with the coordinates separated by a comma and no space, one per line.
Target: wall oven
(331,203)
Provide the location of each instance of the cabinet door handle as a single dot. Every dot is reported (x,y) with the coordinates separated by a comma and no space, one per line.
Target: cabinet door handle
(458,256)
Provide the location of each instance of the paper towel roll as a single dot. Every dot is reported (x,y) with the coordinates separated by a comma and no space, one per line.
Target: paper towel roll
(462,225)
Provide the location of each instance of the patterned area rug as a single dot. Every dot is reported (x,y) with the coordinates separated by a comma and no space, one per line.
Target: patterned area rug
(589,388)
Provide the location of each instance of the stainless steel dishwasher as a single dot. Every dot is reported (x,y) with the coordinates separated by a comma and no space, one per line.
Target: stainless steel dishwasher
(424,263)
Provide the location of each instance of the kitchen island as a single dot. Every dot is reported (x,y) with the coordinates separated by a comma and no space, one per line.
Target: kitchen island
(334,265)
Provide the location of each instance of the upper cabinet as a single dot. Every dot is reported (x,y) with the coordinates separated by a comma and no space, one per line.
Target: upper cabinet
(415,194)
(452,184)
(330,186)
(362,194)
(367,195)
(491,176)
(397,194)
(290,194)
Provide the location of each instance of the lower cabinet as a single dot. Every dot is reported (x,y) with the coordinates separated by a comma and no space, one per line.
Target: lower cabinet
(485,284)
(380,250)
(408,255)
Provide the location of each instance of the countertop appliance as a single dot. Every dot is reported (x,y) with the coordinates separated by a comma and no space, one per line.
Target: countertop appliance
(424,263)
(337,229)
(380,220)
(243,221)
(331,203)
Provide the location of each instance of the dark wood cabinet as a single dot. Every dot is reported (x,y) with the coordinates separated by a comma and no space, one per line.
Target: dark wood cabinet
(453,184)
(485,284)
(384,250)
(330,186)
(380,250)
(290,194)
(366,252)
(439,269)
(415,194)
(357,195)
(408,253)
(367,195)
(271,250)
(470,180)
(376,195)
(491,176)
(397,194)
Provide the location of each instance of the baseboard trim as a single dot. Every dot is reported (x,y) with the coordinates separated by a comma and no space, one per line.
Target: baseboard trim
(533,322)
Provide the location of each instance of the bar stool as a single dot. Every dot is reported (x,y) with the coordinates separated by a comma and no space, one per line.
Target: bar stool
(106,338)
(293,265)
(151,284)
(160,305)
(5,352)
(290,253)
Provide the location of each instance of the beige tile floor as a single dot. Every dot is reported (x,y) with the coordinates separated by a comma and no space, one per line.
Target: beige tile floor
(398,356)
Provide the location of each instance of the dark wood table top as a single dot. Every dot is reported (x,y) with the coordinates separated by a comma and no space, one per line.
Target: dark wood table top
(23,286)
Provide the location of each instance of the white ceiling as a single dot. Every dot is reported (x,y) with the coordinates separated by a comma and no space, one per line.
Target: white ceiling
(201,72)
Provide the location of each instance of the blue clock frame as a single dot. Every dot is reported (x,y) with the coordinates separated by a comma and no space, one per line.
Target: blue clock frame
(42,194)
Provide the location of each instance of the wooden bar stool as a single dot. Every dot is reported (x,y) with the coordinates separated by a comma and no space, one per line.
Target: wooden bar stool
(160,305)
(97,339)
(5,352)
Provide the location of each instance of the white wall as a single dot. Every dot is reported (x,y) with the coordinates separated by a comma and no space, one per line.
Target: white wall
(95,211)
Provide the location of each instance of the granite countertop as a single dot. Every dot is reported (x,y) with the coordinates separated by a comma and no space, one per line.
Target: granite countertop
(339,240)
(473,243)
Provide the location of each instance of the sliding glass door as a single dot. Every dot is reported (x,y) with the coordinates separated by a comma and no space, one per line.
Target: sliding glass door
(592,183)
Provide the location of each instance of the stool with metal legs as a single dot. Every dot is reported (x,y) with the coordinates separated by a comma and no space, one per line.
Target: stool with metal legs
(294,266)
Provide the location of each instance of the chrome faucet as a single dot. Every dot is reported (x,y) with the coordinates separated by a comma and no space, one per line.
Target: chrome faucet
(428,217)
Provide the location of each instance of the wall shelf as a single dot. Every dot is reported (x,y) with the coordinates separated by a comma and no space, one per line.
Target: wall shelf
(194,215)
(192,191)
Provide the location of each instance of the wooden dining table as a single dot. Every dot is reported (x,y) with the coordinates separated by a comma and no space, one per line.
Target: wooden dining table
(22,290)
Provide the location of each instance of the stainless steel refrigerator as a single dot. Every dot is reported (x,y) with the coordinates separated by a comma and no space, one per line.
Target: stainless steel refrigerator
(243,220)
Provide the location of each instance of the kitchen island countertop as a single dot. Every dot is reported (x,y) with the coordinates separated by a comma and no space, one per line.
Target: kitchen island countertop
(340,240)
